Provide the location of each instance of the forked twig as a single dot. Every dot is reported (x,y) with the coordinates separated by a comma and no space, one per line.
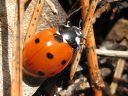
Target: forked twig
(87,16)
(96,79)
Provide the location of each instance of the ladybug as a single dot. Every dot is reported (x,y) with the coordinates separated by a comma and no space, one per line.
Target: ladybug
(48,52)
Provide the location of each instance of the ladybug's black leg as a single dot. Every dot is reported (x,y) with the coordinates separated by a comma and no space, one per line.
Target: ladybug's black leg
(48,87)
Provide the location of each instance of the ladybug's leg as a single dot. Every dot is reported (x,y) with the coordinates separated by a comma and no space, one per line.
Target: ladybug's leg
(34,19)
(76,61)
(80,23)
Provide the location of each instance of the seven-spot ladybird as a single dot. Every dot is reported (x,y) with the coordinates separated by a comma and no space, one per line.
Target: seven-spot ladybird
(48,52)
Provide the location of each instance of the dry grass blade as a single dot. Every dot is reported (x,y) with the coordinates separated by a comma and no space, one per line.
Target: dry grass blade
(34,19)
(76,62)
(16,83)
(117,75)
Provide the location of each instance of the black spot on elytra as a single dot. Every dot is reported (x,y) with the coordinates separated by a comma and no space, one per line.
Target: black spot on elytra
(40,73)
(58,38)
(63,62)
(49,55)
(37,40)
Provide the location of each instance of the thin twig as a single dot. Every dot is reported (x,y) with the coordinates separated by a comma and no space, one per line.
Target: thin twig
(16,82)
(101,10)
(112,53)
(117,75)
(87,21)
(69,15)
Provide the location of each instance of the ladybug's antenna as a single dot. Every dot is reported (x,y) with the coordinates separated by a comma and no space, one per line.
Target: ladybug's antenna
(69,22)
(72,13)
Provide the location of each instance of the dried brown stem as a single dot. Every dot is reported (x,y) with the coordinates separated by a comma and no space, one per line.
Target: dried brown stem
(96,79)
(84,5)
(16,83)
(87,21)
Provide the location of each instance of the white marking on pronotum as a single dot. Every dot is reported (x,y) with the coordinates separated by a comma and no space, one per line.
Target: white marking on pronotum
(65,36)
(57,32)
(64,40)
(78,31)
(77,39)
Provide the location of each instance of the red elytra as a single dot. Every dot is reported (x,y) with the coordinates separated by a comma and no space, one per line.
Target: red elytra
(45,56)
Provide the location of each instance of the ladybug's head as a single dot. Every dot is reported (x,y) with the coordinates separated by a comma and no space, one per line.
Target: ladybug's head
(71,35)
